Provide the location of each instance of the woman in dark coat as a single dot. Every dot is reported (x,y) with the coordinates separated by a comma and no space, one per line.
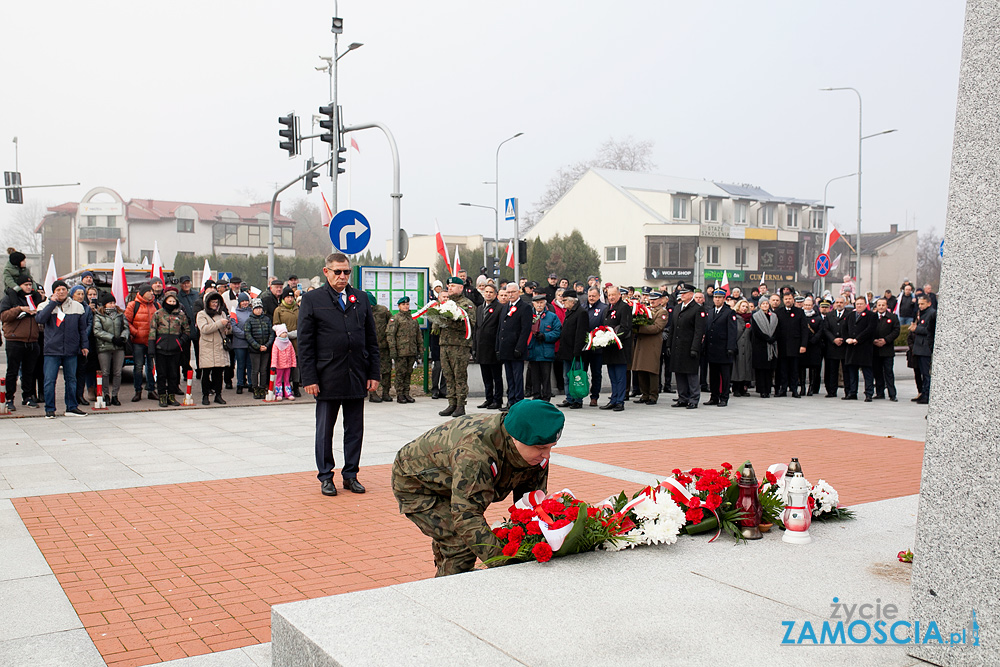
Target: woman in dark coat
(572,340)
(764,346)
(743,368)
(812,360)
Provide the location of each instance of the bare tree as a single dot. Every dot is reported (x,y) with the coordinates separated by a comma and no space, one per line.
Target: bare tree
(626,155)
(20,231)
(311,237)
(929,259)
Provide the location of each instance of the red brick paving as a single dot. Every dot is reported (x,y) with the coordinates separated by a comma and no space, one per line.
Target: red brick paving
(163,572)
(863,468)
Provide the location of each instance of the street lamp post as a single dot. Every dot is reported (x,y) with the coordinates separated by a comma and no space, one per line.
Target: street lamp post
(861,138)
(496,185)
(826,219)
(496,218)
(331,69)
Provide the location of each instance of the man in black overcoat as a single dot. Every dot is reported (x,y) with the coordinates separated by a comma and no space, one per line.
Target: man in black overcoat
(721,336)
(687,332)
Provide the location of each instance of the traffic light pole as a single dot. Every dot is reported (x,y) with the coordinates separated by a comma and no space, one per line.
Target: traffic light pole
(336,29)
(396,194)
(270,220)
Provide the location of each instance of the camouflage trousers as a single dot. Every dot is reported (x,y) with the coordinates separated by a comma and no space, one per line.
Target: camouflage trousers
(451,554)
(455,364)
(385,368)
(404,370)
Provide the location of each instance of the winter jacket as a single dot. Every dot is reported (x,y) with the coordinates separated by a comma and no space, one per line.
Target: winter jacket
(18,325)
(923,335)
(189,302)
(139,315)
(382,316)
(10,274)
(67,336)
(290,318)
(283,358)
(170,331)
(573,336)
(542,342)
(270,303)
(108,326)
(211,353)
(239,319)
(258,332)
(453,331)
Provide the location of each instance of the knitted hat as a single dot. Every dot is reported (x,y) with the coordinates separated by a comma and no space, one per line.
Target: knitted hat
(106,298)
(144,289)
(23,278)
(288,291)
(242,296)
(62,283)
(16,258)
(255,303)
(534,423)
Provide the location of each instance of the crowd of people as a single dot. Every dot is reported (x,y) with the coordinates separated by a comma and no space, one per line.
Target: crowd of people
(236,339)
(712,341)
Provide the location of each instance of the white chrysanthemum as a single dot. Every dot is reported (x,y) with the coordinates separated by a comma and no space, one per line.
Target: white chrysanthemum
(603,338)
(826,497)
(451,308)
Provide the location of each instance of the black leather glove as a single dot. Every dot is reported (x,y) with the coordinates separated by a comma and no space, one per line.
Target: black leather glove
(118,341)
(517,355)
(694,355)
(732,353)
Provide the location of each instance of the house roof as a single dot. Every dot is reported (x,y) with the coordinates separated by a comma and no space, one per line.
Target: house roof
(158,209)
(876,240)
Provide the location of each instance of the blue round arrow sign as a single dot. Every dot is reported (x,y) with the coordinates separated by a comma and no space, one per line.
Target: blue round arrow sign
(350,232)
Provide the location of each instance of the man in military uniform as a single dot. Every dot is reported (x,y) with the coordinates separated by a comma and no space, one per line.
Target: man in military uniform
(445,479)
(406,344)
(455,350)
(687,331)
(722,334)
(382,317)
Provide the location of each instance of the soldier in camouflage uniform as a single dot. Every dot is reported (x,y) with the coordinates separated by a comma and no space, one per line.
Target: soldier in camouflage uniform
(382,316)
(455,351)
(406,343)
(445,479)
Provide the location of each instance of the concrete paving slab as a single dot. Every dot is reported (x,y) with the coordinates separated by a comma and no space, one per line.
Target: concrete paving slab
(21,559)
(34,606)
(232,658)
(55,649)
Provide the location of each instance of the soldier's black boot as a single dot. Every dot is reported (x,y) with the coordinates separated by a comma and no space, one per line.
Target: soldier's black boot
(459,411)
(374,398)
(448,411)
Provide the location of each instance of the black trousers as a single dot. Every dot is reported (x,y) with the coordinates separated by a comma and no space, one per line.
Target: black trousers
(492,381)
(813,380)
(688,388)
(763,378)
(664,367)
(924,366)
(540,377)
(851,380)
(831,374)
(230,371)
(354,433)
(788,374)
(514,370)
(593,362)
(168,369)
(649,385)
(211,381)
(885,378)
(186,357)
(719,381)
(21,357)
(704,372)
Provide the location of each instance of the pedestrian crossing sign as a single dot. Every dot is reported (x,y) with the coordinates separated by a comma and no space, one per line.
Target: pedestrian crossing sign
(510,209)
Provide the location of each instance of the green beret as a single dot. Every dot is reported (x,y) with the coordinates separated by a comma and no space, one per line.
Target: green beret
(405,299)
(371,299)
(534,423)
(455,281)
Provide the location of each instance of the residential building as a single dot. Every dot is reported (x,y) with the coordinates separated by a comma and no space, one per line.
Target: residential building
(423,251)
(86,232)
(887,259)
(651,229)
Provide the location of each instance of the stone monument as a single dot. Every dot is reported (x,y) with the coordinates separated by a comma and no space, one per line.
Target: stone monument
(957,564)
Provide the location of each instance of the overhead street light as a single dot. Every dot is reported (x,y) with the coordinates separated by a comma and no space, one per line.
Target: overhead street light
(496,185)
(496,217)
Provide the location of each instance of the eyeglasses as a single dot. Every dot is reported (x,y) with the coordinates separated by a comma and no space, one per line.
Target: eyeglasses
(340,272)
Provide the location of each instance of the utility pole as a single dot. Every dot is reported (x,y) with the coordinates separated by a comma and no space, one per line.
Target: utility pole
(336,28)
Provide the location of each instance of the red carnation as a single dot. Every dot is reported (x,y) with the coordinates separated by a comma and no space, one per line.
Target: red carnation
(511,548)
(551,505)
(572,512)
(692,515)
(501,533)
(592,512)
(675,472)
(727,466)
(534,528)
(713,501)
(769,476)
(515,534)
(561,523)
(694,502)
(542,552)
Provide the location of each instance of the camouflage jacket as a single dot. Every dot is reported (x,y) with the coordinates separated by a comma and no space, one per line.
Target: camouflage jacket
(382,316)
(169,331)
(453,332)
(471,460)
(404,336)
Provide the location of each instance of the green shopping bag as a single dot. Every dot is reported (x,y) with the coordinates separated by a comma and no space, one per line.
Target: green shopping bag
(578,386)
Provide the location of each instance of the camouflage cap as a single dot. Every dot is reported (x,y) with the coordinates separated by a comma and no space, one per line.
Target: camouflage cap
(535,423)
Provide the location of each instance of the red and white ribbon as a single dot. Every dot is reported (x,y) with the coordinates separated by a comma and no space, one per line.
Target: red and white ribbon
(590,337)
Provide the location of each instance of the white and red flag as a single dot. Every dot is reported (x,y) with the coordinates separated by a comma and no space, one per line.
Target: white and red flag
(831,237)
(725,282)
(50,276)
(119,285)
(326,214)
(442,248)
(157,270)
(458,262)
(510,254)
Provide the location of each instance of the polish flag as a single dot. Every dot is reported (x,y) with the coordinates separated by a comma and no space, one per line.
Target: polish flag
(442,249)
(725,282)
(157,270)
(119,285)
(831,237)
(510,253)
(50,276)
(716,283)
(762,278)
(206,273)
(458,262)
(326,214)
(835,263)
(354,145)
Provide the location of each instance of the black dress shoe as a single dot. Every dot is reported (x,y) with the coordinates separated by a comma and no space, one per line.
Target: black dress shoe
(879,398)
(796,394)
(219,399)
(484,405)
(923,401)
(239,389)
(505,408)
(917,399)
(653,402)
(868,399)
(115,401)
(374,398)
(780,394)
(692,406)
(137,397)
(893,399)
(609,406)
(328,488)
(639,400)
(152,396)
(723,404)
(564,404)
(576,406)
(619,407)
(679,404)
(712,401)
(353,485)
(831,396)
(448,411)
(809,393)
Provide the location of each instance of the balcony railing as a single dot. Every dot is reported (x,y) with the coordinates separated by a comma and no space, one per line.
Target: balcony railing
(100,233)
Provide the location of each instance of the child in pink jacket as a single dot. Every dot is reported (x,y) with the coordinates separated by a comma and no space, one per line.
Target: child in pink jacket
(283,360)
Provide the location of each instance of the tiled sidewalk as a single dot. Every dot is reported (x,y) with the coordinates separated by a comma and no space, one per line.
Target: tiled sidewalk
(163,572)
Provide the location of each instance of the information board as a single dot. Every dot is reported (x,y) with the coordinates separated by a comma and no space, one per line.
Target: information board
(390,283)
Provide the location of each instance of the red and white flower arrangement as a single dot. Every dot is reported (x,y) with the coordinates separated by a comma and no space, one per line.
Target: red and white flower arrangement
(602,337)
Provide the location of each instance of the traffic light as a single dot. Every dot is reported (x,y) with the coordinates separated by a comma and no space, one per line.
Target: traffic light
(289,134)
(328,123)
(341,159)
(494,267)
(522,252)
(311,175)
(14,195)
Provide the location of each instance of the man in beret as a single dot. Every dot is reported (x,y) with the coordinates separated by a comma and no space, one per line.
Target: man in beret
(406,345)
(455,350)
(446,478)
